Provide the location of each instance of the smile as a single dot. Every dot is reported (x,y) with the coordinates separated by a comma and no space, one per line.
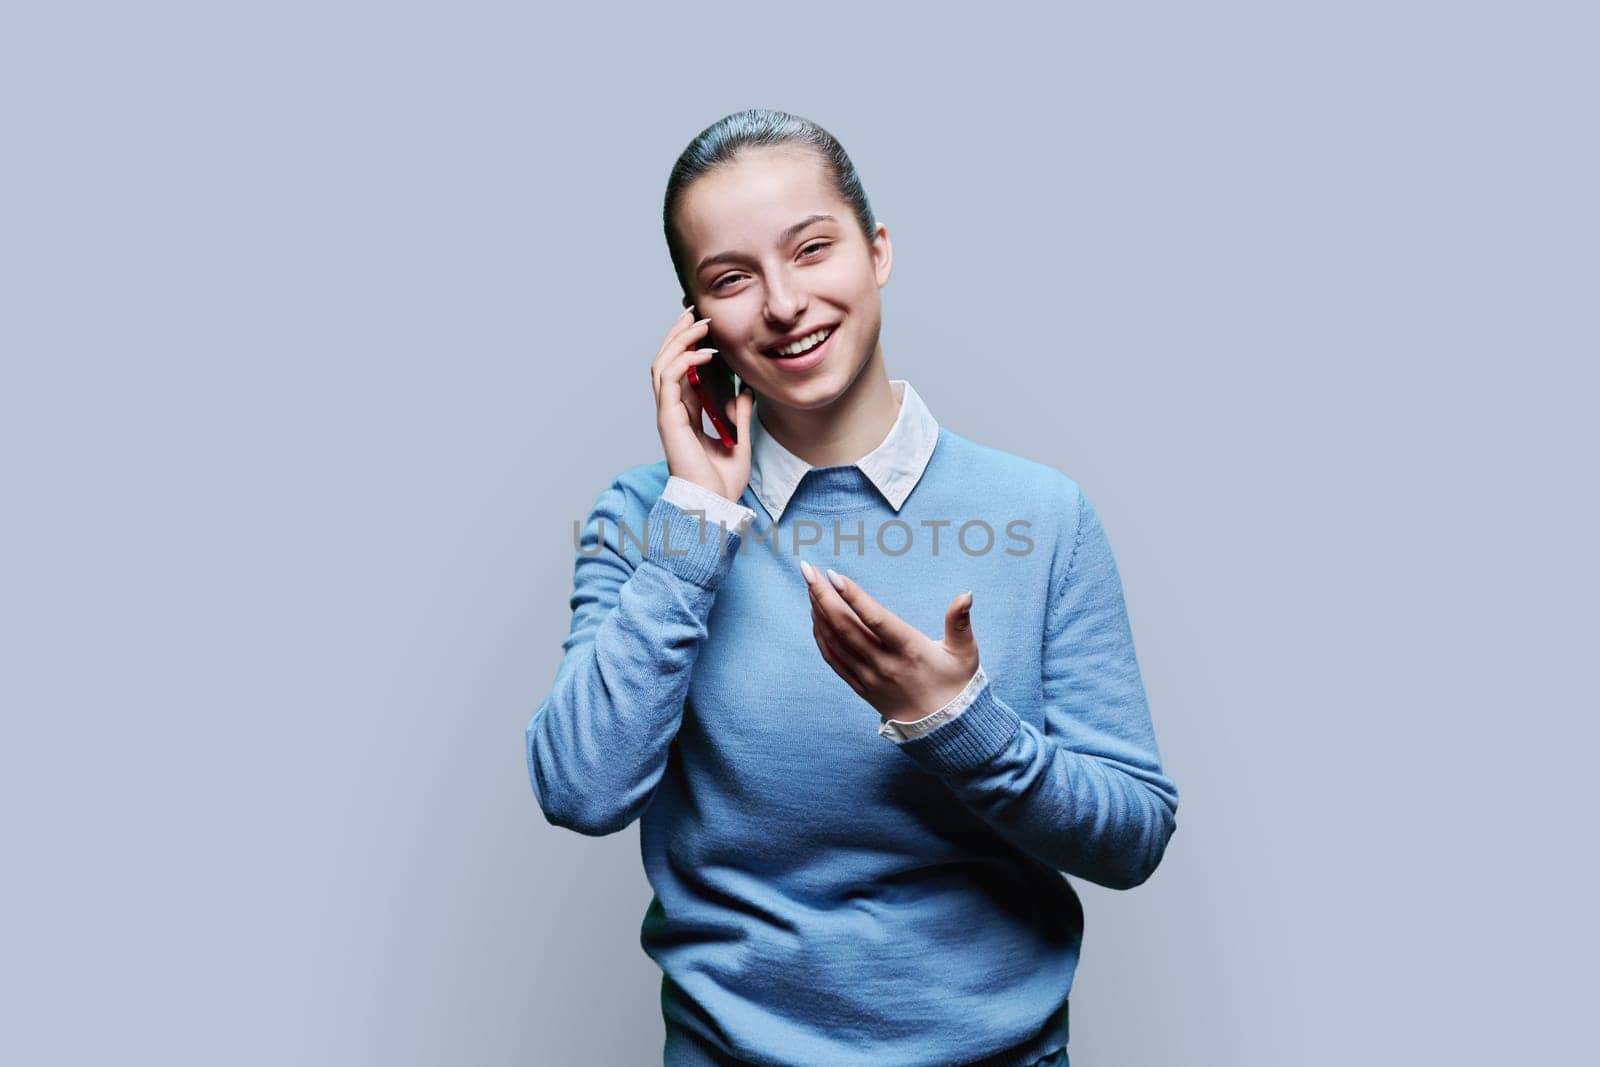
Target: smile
(807,352)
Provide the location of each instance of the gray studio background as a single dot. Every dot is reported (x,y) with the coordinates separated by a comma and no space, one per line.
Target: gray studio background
(322,322)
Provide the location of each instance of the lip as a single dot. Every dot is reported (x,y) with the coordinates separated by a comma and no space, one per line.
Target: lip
(807,361)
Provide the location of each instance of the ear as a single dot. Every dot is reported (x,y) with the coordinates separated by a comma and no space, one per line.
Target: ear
(882,255)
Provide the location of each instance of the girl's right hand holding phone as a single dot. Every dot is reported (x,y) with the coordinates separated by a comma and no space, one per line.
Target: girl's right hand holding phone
(691,453)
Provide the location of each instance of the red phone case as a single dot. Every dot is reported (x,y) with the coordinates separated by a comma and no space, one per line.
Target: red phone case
(709,403)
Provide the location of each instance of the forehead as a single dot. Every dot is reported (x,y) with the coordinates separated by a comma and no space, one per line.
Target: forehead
(747,203)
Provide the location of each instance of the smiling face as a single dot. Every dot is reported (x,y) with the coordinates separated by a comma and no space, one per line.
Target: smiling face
(773,253)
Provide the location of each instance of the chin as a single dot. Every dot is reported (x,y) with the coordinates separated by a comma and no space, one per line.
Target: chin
(818,391)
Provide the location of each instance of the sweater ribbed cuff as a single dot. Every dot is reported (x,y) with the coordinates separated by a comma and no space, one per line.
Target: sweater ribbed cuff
(691,496)
(969,740)
(688,546)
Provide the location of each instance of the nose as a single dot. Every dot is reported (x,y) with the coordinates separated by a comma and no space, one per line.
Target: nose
(786,302)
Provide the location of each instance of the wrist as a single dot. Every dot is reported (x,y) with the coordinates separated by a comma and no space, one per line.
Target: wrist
(690,495)
(949,708)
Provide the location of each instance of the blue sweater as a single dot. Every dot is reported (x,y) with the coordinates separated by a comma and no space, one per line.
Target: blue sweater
(824,895)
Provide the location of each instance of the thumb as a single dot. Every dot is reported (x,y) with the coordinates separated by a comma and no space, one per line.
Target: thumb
(958,622)
(742,406)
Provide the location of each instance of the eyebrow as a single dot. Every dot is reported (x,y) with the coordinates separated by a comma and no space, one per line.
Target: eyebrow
(783,238)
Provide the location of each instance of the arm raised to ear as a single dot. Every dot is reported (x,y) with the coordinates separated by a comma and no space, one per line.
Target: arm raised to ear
(598,743)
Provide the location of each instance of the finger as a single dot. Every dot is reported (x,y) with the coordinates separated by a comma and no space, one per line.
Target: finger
(671,386)
(835,611)
(682,336)
(664,357)
(855,649)
(830,656)
(741,406)
(679,329)
(848,628)
(678,341)
(891,631)
(958,618)
(693,405)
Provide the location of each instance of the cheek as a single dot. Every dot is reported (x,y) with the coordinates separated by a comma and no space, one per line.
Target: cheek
(853,283)
(733,320)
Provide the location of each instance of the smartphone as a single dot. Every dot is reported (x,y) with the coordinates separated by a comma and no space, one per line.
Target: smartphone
(716,384)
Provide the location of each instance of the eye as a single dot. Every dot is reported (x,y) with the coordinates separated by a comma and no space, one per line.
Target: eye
(806,252)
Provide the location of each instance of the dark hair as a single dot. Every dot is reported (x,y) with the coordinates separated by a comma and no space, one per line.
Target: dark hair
(722,143)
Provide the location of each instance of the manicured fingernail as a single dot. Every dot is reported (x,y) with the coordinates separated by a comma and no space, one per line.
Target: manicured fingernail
(699,321)
(805,569)
(836,578)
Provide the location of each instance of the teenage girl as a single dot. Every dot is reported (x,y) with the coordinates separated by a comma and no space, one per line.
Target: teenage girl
(855,831)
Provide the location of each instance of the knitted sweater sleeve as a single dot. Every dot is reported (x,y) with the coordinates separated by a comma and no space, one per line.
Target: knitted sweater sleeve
(597,745)
(1087,794)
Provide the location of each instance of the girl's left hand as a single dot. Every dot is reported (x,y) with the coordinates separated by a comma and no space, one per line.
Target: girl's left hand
(892,665)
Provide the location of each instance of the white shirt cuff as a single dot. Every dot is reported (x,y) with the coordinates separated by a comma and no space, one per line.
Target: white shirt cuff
(718,509)
(900,731)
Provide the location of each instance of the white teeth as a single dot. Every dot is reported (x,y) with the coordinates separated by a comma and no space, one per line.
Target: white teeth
(805,344)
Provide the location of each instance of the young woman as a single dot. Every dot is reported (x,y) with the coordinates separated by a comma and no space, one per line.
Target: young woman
(855,831)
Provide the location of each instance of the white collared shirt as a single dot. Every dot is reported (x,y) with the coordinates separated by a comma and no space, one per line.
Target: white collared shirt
(894,467)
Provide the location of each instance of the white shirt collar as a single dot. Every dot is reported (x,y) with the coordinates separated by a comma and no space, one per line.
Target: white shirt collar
(895,466)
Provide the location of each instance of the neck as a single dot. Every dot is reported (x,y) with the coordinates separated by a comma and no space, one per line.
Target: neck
(855,423)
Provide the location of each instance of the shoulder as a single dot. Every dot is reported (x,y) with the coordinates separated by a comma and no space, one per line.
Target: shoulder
(619,516)
(1010,479)
(1024,496)
(627,500)
(638,488)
